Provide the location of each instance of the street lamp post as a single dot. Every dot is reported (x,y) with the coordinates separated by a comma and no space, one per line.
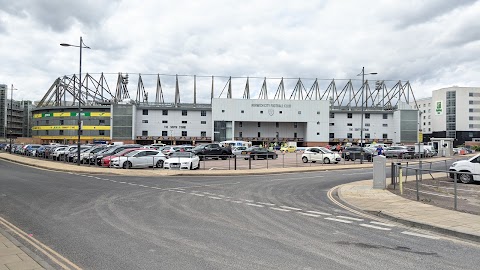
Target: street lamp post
(82,45)
(9,128)
(361,121)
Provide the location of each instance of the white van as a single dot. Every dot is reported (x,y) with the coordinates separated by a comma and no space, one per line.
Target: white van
(234,144)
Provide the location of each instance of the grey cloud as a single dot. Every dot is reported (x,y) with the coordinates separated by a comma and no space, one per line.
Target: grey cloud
(60,15)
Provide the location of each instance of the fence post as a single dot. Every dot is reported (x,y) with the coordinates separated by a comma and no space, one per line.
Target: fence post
(229,163)
(400,171)
(249,162)
(283,160)
(267,160)
(393,174)
(416,184)
(235,163)
(455,188)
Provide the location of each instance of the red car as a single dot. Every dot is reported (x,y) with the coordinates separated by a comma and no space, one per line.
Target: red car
(106,160)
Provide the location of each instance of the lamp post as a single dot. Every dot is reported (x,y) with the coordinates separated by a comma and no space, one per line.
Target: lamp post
(9,128)
(361,118)
(82,45)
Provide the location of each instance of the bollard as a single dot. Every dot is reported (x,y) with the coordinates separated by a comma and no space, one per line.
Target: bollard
(392,174)
(249,162)
(235,163)
(455,192)
(400,179)
(416,184)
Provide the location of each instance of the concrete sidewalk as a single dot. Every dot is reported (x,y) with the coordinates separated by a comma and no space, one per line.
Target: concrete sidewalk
(383,203)
(13,255)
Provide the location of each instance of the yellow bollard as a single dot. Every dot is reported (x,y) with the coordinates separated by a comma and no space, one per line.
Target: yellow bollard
(400,179)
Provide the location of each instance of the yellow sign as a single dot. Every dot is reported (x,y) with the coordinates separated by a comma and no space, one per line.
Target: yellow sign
(70,128)
(420,136)
(72,114)
(72,137)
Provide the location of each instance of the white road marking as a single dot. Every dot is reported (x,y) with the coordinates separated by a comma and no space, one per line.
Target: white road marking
(132,184)
(90,176)
(143,186)
(196,194)
(216,198)
(431,193)
(252,204)
(122,182)
(350,218)
(264,203)
(249,201)
(237,201)
(382,224)
(319,213)
(356,173)
(280,209)
(179,191)
(421,235)
(308,214)
(113,181)
(98,178)
(157,188)
(338,220)
(291,208)
(375,227)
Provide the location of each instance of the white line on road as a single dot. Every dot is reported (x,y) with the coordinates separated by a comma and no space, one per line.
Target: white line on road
(237,201)
(421,235)
(179,191)
(319,213)
(350,218)
(249,201)
(252,204)
(291,208)
(113,181)
(382,224)
(132,184)
(375,227)
(280,209)
(122,182)
(143,186)
(356,173)
(338,220)
(308,214)
(265,203)
(157,188)
(216,198)
(196,194)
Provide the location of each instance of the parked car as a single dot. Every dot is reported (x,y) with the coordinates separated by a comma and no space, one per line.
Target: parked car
(214,150)
(182,161)
(288,148)
(466,168)
(106,160)
(322,154)
(257,153)
(31,148)
(73,154)
(139,159)
(399,152)
(112,150)
(355,152)
(238,150)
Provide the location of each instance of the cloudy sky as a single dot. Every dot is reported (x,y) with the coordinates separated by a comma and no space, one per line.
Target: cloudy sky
(431,43)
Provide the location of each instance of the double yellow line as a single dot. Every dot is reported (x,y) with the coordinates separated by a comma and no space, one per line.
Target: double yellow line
(50,253)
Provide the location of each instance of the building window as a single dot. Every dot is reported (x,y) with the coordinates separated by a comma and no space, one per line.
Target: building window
(367,116)
(349,135)
(48,122)
(144,132)
(223,111)
(470,118)
(203,113)
(384,125)
(101,132)
(258,124)
(349,124)
(331,124)
(184,122)
(295,135)
(164,121)
(277,124)
(240,124)
(318,133)
(367,124)
(470,102)
(470,94)
(429,123)
(280,112)
(424,117)
(240,134)
(184,133)
(385,135)
(164,133)
(295,125)
(242,111)
(258,134)
(429,129)
(332,115)
(145,112)
(318,112)
(203,133)
(164,112)
(424,105)
(62,122)
(331,135)
(203,122)
(349,115)
(385,115)
(429,110)
(261,112)
(367,135)
(144,121)
(429,116)
(61,132)
(424,124)
(299,112)
(424,111)
(184,113)
(101,122)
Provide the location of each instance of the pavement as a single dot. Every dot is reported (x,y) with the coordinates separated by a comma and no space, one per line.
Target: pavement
(359,195)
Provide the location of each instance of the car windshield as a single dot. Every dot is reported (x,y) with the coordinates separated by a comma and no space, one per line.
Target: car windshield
(201,146)
(182,154)
(132,153)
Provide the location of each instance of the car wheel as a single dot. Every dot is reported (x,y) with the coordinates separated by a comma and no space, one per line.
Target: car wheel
(326,160)
(465,178)
(159,164)
(127,165)
(304,159)
(352,158)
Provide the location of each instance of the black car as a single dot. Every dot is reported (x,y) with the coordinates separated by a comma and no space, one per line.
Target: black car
(212,150)
(257,153)
(355,152)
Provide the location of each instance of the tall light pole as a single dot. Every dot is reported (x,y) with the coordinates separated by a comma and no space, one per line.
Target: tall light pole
(9,130)
(82,45)
(361,121)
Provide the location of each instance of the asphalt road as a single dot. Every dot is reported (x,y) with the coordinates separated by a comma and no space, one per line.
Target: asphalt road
(249,222)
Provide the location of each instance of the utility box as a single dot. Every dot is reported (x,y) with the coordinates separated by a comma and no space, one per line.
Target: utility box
(444,146)
(379,172)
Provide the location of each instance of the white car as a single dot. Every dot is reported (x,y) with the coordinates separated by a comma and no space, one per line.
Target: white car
(237,151)
(139,159)
(470,169)
(322,154)
(182,161)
